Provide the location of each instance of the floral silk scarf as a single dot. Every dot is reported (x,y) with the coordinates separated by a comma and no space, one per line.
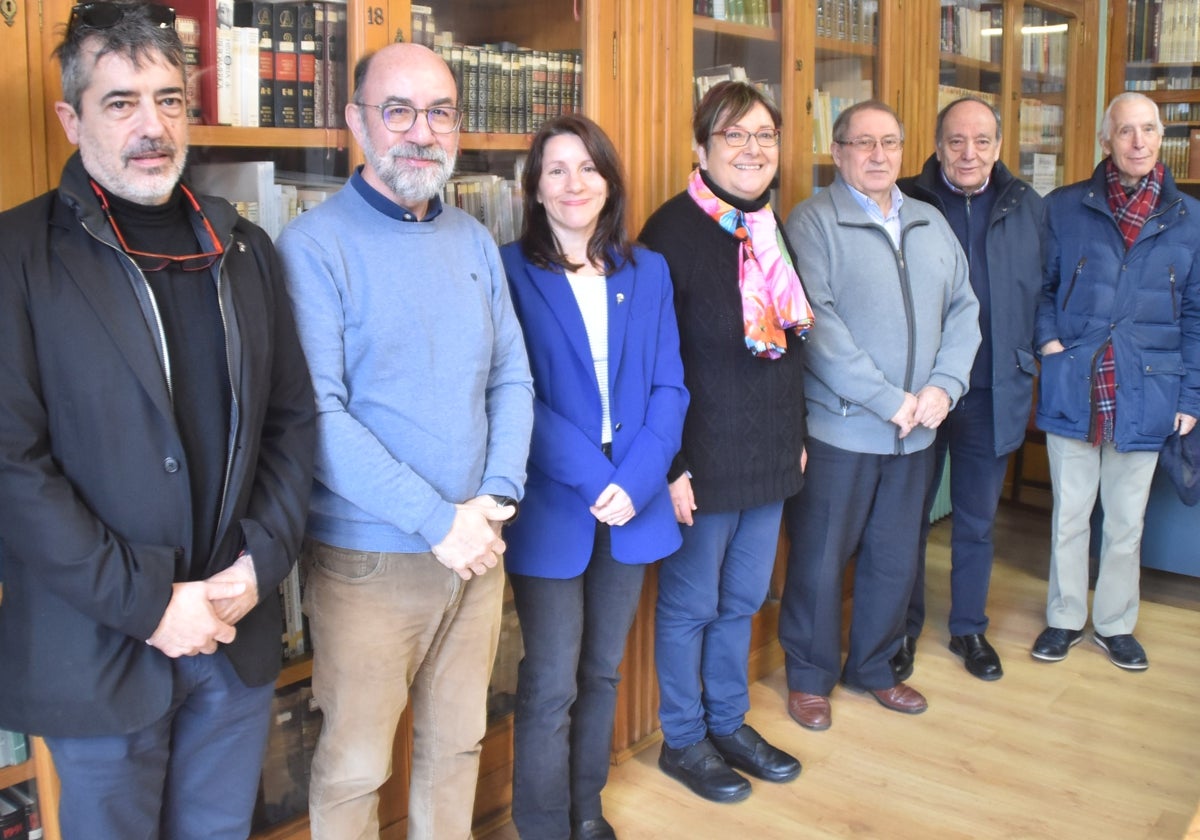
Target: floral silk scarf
(773,300)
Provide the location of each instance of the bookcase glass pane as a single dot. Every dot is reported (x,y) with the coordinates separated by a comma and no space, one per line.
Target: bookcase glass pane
(1163,61)
(845,69)
(1043,83)
(971,48)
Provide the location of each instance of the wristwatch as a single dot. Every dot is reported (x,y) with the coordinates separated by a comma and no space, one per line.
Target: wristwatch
(507,501)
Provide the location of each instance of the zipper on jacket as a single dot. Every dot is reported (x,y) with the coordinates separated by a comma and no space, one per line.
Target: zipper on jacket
(1074,277)
(1174,304)
(234,407)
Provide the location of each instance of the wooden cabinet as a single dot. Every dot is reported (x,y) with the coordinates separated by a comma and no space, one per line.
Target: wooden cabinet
(1154,48)
(640,62)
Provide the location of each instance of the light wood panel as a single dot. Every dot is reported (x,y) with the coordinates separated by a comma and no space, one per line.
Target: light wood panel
(1075,750)
(22,154)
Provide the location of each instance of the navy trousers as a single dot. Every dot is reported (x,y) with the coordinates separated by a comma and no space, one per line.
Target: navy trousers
(976,481)
(191,774)
(574,633)
(857,504)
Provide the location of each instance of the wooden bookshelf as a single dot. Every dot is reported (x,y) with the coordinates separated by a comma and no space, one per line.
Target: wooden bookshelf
(16,773)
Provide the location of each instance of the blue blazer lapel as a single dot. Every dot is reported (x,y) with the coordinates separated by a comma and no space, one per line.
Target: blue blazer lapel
(560,300)
(620,309)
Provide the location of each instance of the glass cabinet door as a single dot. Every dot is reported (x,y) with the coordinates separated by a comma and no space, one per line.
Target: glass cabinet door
(1162,60)
(971,50)
(845,71)
(1044,49)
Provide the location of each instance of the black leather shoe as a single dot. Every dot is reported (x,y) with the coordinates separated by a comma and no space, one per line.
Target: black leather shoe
(1054,643)
(746,750)
(704,771)
(1124,651)
(902,662)
(980,657)
(597,829)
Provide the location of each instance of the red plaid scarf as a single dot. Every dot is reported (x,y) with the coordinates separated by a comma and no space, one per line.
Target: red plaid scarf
(1130,211)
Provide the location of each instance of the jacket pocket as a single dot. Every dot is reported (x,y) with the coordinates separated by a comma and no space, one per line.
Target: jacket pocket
(1064,387)
(1162,378)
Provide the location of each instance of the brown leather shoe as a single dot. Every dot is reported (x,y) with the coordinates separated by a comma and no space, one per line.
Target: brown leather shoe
(901,698)
(809,710)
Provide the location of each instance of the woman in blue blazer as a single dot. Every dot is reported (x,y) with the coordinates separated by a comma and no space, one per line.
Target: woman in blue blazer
(608,415)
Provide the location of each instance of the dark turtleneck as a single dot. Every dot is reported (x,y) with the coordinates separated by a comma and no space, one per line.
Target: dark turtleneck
(195,336)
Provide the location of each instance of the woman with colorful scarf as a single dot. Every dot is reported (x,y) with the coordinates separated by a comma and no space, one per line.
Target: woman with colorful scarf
(742,315)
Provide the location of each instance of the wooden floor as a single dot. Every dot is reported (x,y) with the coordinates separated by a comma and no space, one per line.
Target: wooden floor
(1063,751)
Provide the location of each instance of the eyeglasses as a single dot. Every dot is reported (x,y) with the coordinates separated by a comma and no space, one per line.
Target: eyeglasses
(157,262)
(737,138)
(867,144)
(442,119)
(108,15)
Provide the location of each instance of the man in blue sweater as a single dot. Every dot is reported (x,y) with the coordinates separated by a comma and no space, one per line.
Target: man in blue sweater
(425,408)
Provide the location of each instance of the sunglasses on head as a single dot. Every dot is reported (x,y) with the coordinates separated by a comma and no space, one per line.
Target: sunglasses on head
(108,15)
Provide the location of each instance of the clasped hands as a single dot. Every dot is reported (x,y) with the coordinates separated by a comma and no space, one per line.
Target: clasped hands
(928,408)
(203,613)
(474,545)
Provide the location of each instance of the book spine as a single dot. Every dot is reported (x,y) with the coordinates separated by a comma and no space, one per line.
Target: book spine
(320,84)
(306,63)
(286,99)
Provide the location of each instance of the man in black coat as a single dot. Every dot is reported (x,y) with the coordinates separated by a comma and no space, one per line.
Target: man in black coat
(997,219)
(156,444)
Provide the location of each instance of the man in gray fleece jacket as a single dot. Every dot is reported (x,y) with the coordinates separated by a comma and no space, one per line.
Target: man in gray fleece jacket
(897,330)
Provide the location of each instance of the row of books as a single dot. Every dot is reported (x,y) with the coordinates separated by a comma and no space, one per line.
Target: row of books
(268,198)
(707,78)
(1163,31)
(950,93)
(750,12)
(14,748)
(257,63)
(513,90)
(962,32)
(1041,125)
(846,82)
(1043,52)
(424,26)
(496,202)
(856,21)
(19,815)
(1180,151)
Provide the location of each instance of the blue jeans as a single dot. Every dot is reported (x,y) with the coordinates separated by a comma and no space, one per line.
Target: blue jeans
(191,774)
(976,481)
(574,632)
(708,591)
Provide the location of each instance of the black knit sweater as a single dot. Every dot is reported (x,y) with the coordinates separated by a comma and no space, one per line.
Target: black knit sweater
(745,425)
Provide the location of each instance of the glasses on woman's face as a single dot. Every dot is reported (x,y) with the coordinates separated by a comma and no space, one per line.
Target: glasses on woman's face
(148,261)
(737,137)
(108,15)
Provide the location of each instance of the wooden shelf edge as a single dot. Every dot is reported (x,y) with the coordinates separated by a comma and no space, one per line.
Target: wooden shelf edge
(294,671)
(257,138)
(702,23)
(15,773)
(1186,95)
(476,141)
(972,63)
(1163,65)
(836,46)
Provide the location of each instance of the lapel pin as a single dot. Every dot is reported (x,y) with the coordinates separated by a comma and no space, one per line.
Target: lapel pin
(620,298)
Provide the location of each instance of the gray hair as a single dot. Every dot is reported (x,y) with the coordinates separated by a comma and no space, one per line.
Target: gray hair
(842,124)
(135,35)
(1106,124)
